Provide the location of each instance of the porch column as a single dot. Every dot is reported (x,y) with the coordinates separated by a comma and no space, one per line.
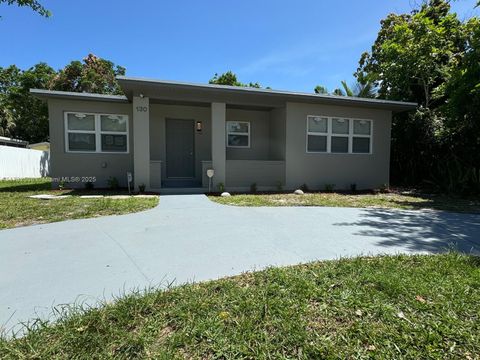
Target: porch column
(141,141)
(219,154)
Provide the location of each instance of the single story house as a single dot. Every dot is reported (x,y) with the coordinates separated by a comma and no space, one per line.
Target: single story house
(168,134)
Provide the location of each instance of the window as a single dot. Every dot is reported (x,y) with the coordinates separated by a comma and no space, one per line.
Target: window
(338,135)
(238,134)
(96,133)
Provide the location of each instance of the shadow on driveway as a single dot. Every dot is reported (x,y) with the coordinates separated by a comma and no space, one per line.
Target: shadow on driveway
(426,231)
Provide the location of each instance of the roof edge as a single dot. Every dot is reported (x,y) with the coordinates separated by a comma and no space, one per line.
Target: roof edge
(42,93)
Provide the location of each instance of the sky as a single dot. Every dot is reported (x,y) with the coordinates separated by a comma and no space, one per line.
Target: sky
(287,45)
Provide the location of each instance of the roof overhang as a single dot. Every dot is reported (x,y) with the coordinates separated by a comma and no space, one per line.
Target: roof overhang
(173,91)
(68,95)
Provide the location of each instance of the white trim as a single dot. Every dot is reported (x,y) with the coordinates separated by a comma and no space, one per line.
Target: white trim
(97,132)
(237,133)
(329,134)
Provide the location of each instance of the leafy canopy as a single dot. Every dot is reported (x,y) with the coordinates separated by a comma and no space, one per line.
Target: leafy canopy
(230,78)
(32,4)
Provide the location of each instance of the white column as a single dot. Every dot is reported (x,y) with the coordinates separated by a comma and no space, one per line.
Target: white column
(219,155)
(141,141)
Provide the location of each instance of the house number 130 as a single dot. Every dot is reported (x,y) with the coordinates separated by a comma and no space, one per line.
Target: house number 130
(142,109)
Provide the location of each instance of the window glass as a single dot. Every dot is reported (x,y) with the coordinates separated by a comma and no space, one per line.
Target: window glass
(361,127)
(238,140)
(317,124)
(237,127)
(339,144)
(81,142)
(112,142)
(361,145)
(317,143)
(116,123)
(340,126)
(81,122)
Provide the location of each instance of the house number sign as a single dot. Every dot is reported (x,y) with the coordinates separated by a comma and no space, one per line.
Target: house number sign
(142,109)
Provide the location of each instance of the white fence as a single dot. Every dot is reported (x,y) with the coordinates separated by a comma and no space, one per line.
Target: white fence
(17,163)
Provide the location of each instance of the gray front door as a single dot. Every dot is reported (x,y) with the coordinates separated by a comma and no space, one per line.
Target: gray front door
(180,148)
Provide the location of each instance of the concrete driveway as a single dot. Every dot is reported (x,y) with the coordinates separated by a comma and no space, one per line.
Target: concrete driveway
(188,238)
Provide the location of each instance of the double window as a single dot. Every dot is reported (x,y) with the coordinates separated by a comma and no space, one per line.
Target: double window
(238,134)
(96,133)
(339,135)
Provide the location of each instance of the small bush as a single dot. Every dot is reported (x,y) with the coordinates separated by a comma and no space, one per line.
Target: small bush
(304,188)
(221,187)
(141,188)
(89,185)
(253,188)
(61,185)
(279,186)
(384,188)
(113,183)
(329,187)
(353,188)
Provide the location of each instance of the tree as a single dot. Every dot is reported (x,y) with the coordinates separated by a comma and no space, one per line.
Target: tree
(229,78)
(319,89)
(32,4)
(94,75)
(413,59)
(338,92)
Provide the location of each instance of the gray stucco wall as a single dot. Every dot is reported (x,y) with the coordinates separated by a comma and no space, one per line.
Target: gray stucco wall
(315,169)
(203,141)
(277,134)
(80,165)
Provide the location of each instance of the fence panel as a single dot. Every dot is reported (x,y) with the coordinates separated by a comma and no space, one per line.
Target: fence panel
(17,163)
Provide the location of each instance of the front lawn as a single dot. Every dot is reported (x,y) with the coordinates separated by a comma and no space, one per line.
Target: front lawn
(413,307)
(398,200)
(17,209)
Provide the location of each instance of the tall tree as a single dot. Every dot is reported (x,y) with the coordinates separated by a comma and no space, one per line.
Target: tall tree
(320,89)
(32,4)
(94,75)
(230,78)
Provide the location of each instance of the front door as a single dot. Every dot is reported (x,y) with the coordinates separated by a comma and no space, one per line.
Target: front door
(180,135)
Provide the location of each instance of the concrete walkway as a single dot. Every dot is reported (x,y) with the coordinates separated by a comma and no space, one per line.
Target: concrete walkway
(189,238)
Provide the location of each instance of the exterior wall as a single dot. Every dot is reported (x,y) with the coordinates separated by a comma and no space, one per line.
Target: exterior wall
(243,173)
(315,169)
(277,134)
(72,165)
(203,141)
(259,135)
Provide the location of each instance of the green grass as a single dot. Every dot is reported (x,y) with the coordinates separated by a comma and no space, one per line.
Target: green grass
(17,209)
(396,200)
(414,307)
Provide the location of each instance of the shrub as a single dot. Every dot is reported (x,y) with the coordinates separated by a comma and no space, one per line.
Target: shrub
(221,187)
(89,185)
(113,183)
(61,185)
(141,188)
(253,188)
(304,188)
(353,188)
(279,186)
(329,187)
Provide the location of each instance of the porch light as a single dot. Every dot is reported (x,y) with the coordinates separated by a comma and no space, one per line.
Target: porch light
(198,126)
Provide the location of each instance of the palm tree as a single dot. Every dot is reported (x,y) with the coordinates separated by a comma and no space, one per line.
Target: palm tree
(361,89)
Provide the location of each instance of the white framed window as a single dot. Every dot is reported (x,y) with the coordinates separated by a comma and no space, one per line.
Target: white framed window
(238,134)
(339,135)
(96,133)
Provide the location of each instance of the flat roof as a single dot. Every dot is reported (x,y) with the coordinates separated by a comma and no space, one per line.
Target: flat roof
(133,85)
(41,93)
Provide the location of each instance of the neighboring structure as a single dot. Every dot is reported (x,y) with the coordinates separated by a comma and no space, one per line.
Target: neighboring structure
(169,133)
(43,146)
(6,141)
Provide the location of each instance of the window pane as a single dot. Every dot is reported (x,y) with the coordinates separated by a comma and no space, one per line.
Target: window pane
(237,127)
(340,126)
(81,122)
(114,123)
(317,143)
(114,143)
(81,142)
(238,140)
(361,127)
(317,124)
(361,145)
(339,144)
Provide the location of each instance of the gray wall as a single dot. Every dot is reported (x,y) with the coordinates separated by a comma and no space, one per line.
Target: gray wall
(277,134)
(366,170)
(65,164)
(203,141)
